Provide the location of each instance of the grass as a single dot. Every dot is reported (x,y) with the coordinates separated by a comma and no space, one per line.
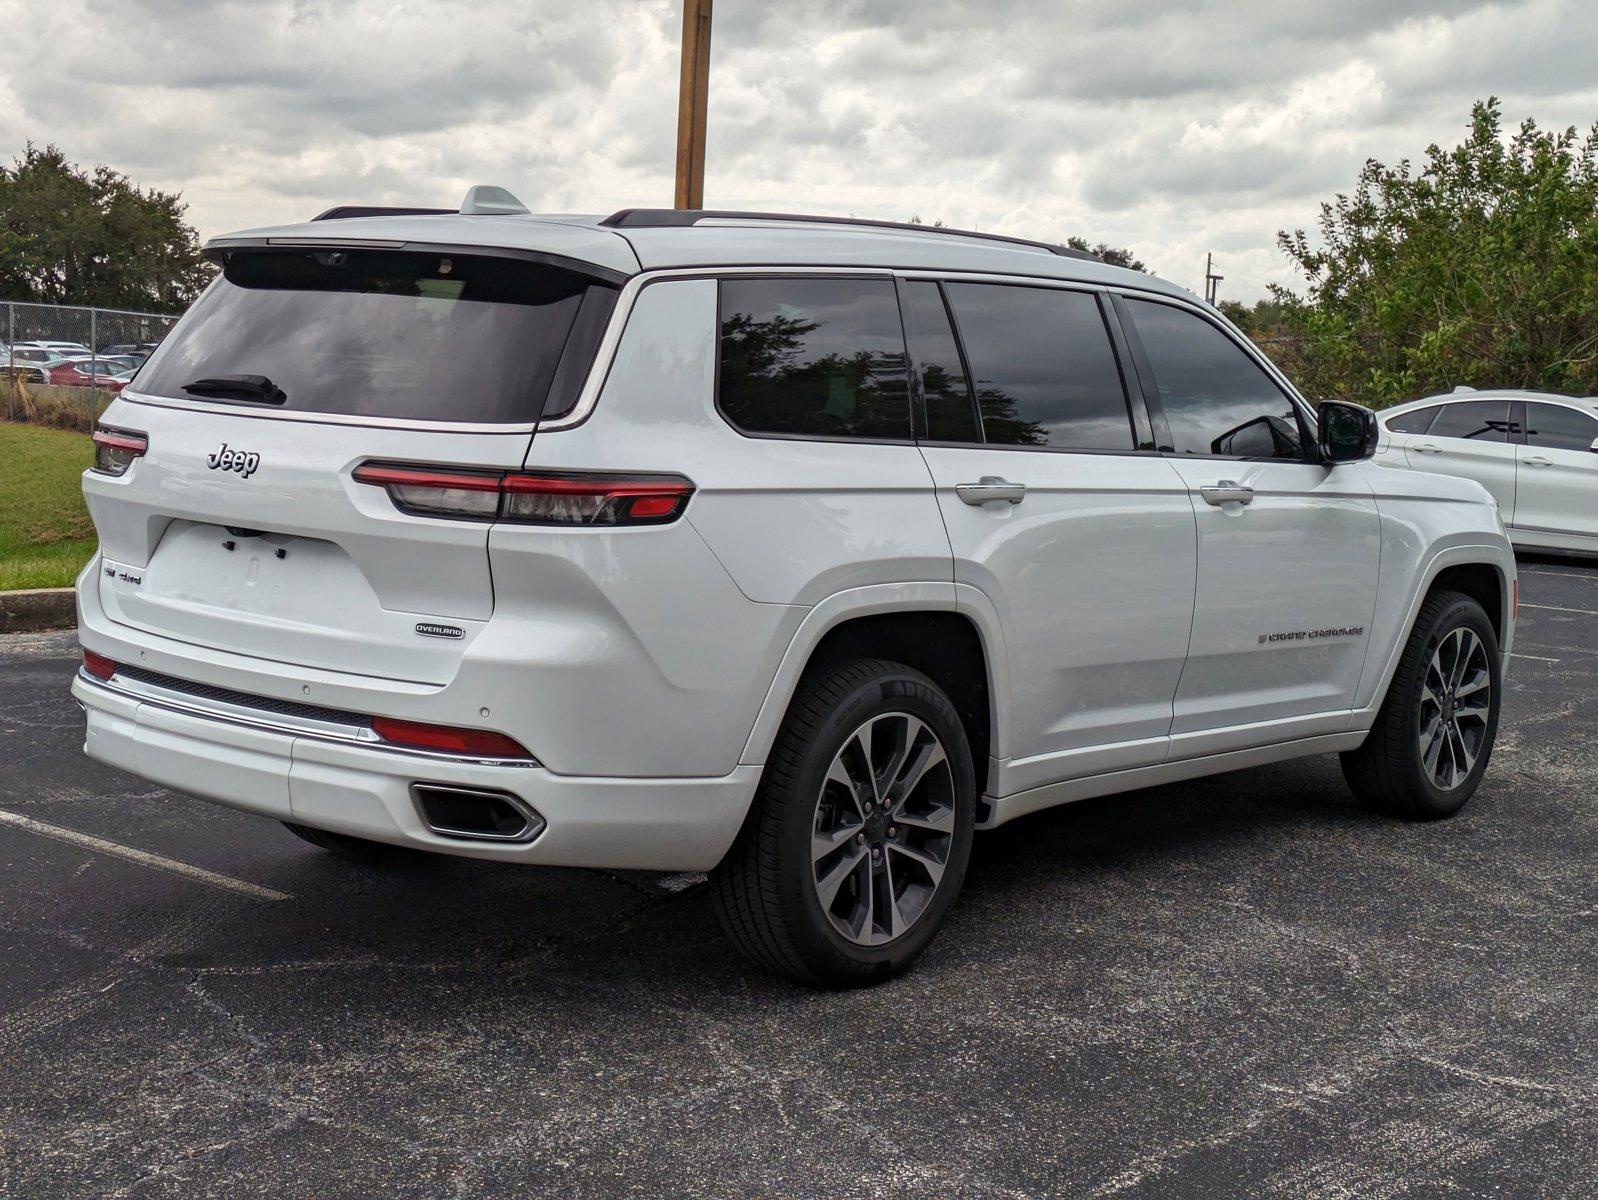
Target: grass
(45,533)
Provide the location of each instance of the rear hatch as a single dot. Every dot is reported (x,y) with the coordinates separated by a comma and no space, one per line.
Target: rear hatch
(241,526)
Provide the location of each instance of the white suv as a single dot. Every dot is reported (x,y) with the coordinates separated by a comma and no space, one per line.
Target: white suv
(1536,452)
(788,549)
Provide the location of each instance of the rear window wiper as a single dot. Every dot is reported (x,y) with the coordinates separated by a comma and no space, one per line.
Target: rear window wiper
(237,387)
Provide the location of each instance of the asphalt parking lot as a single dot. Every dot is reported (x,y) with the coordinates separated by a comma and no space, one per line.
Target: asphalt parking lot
(1243,986)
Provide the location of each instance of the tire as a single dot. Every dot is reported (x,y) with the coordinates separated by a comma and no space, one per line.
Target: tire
(1393,771)
(351,849)
(769,890)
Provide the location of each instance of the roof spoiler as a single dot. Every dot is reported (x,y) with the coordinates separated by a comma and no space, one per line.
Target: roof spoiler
(344,211)
(483,200)
(663,218)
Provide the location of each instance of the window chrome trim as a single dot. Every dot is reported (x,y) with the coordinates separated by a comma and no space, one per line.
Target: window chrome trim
(605,354)
(243,717)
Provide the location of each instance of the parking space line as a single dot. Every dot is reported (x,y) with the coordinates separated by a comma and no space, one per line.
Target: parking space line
(1537,657)
(1582,612)
(1561,574)
(142,857)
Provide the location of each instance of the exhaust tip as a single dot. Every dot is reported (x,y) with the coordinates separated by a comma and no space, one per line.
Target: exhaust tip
(475,814)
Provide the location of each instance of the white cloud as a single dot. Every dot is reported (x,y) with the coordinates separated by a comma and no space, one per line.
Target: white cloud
(1173,128)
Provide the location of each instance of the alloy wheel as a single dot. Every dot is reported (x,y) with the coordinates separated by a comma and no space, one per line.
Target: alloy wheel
(1455,700)
(883,830)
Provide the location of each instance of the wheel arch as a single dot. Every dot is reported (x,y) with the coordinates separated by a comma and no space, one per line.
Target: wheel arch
(1485,572)
(923,626)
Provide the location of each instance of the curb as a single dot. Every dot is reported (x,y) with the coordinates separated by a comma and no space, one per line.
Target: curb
(37,609)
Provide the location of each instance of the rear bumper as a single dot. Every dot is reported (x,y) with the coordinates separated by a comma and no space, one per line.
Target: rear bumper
(664,824)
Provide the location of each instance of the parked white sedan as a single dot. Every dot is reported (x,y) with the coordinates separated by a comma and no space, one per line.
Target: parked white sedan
(1536,452)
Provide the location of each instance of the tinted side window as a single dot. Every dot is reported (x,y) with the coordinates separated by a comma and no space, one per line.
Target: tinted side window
(945,390)
(1475,420)
(1559,428)
(1413,422)
(814,357)
(1217,400)
(1045,371)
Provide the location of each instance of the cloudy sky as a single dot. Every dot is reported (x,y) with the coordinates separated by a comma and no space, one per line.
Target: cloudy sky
(1173,128)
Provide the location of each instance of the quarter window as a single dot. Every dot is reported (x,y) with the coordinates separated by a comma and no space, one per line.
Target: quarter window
(1044,369)
(945,388)
(1217,400)
(1413,422)
(814,358)
(1559,428)
(1473,420)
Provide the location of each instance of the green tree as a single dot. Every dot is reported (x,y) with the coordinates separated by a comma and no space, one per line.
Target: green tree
(1116,256)
(1480,268)
(1264,318)
(69,236)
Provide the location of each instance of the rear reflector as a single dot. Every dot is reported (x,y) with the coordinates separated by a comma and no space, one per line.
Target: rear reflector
(98,665)
(115,450)
(479,743)
(546,498)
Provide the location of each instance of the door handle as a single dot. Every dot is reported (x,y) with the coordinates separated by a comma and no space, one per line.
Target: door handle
(1428,448)
(989,488)
(1227,491)
(1538,460)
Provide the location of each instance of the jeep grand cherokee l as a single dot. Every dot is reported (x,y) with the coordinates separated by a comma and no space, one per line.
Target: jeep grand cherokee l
(792,550)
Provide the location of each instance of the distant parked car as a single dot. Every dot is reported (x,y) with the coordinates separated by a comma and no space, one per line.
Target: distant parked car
(137,350)
(1536,452)
(23,369)
(59,349)
(87,372)
(22,352)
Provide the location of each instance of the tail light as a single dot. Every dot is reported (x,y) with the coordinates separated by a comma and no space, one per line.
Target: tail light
(115,450)
(98,665)
(541,498)
(447,738)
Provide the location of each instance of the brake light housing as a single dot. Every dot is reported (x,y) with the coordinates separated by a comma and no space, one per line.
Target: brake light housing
(559,498)
(115,450)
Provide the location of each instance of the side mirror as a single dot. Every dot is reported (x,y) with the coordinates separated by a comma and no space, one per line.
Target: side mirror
(1594,446)
(1346,432)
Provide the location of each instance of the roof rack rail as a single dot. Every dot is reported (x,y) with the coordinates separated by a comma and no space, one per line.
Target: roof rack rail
(343,211)
(666,218)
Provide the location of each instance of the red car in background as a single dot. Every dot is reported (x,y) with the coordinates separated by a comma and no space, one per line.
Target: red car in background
(84,372)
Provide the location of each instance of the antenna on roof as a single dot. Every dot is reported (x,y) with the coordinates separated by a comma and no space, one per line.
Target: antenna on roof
(485,200)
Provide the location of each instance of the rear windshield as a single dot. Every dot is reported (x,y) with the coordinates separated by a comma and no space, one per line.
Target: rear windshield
(384,333)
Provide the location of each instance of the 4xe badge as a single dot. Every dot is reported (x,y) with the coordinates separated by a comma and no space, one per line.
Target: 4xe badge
(225,459)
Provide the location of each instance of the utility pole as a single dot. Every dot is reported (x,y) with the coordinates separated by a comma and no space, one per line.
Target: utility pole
(1212,281)
(693,100)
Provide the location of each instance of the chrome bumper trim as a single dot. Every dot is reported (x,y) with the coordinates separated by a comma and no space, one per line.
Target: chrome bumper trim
(223,713)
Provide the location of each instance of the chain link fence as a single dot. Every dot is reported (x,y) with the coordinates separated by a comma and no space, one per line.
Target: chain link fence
(61,364)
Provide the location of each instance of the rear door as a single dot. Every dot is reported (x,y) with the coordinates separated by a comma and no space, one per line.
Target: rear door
(1288,548)
(242,527)
(1399,431)
(1060,511)
(1557,489)
(1473,439)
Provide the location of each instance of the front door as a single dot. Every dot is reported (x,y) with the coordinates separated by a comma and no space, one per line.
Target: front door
(1082,543)
(1474,440)
(1288,548)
